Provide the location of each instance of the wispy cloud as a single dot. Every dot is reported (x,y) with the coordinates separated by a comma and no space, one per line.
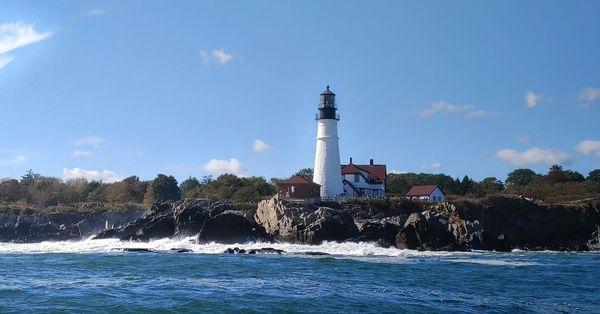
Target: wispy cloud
(532,99)
(93,141)
(533,156)
(587,96)
(469,111)
(218,56)
(107,176)
(94,12)
(523,139)
(15,35)
(260,146)
(444,107)
(589,147)
(81,153)
(220,166)
(12,158)
(432,166)
(5,60)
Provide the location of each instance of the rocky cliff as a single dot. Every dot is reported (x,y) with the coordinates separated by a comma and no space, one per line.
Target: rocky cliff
(83,221)
(495,223)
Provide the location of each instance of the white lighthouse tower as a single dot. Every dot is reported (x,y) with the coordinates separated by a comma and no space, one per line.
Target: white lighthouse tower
(327,171)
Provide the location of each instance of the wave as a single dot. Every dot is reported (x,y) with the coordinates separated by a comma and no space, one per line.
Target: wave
(167,244)
(364,251)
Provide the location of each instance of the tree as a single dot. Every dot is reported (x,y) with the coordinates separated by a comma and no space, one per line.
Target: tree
(521,177)
(556,168)
(130,190)
(306,173)
(574,176)
(162,189)
(491,185)
(188,185)
(594,176)
(10,190)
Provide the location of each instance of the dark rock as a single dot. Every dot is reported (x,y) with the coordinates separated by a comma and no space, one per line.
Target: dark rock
(427,232)
(383,231)
(267,250)
(316,253)
(179,250)
(227,228)
(135,249)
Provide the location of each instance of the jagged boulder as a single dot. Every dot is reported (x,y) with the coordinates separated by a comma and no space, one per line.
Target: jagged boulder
(303,223)
(427,231)
(228,228)
(383,231)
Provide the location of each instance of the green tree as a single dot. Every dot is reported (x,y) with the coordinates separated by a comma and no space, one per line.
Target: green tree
(594,176)
(162,189)
(574,176)
(189,185)
(491,185)
(130,190)
(306,173)
(521,177)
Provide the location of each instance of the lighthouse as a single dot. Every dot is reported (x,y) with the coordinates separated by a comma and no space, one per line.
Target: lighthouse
(327,171)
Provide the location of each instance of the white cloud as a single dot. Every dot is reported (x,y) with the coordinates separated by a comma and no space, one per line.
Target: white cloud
(218,56)
(394,171)
(433,166)
(532,99)
(477,114)
(260,146)
(219,166)
(18,34)
(12,158)
(15,35)
(93,141)
(589,94)
(81,153)
(444,107)
(589,147)
(533,156)
(94,12)
(523,139)
(5,60)
(107,176)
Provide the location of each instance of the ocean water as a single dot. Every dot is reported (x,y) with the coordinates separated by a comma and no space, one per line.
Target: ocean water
(91,276)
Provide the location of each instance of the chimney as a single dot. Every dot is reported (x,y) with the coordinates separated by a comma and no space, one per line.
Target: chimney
(371,161)
(350,159)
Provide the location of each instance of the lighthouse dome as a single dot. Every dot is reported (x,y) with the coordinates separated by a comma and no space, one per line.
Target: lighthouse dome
(327,91)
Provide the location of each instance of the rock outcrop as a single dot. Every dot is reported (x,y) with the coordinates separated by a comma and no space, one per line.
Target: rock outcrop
(502,224)
(209,221)
(78,224)
(304,223)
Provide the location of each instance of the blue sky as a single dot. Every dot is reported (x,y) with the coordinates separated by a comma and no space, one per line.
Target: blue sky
(113,88)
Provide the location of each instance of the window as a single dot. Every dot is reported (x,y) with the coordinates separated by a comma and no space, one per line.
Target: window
(293,188)
(356,178)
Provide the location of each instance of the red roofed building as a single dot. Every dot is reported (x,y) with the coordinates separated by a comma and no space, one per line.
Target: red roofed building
(298,188)
(364,180)
(430,193)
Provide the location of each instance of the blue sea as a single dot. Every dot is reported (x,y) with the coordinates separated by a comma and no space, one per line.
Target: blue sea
(94,276)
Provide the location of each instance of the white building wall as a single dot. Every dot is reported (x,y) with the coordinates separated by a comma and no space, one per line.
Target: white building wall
(437,196)
(363,184)
(327,171)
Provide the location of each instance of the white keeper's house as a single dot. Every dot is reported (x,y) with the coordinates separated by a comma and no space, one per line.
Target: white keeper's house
(428,193)
(364,180)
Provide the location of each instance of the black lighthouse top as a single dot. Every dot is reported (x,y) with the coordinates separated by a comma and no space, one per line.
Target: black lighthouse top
(327,106)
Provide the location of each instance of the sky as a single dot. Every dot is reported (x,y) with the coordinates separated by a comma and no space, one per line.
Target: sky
(108,89)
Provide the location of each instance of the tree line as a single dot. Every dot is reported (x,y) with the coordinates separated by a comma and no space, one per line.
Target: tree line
(36,189)
(33,188)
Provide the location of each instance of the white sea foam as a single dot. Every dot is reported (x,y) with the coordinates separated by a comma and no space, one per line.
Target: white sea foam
(366,251)
(110,245)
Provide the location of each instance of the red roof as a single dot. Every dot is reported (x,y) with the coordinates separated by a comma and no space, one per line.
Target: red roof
(421,190)
(296,180)
(377,173)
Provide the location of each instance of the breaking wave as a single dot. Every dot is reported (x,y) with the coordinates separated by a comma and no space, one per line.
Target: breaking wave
(364,251)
